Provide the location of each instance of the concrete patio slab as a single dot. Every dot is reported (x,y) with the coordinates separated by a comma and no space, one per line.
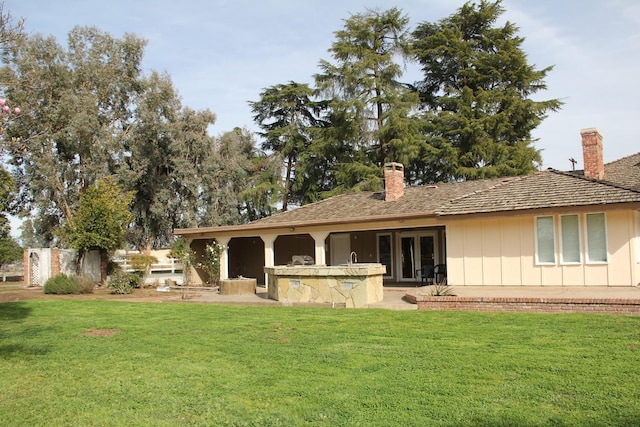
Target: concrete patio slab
(395,298)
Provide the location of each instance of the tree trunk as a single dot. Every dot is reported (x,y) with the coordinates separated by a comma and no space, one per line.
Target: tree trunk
(79,262)
(285,194)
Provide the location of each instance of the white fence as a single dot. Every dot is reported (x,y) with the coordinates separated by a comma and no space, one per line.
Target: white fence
(13,271)
(165,269)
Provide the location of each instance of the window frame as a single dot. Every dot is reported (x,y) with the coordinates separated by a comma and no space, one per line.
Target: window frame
(553,239)
(562,240)
(587,247)
(637,222)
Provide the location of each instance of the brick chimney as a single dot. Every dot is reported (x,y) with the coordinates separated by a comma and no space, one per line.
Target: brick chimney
(592,153)
(393,181)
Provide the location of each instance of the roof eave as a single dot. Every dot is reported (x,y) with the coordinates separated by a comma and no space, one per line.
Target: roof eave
(187,232)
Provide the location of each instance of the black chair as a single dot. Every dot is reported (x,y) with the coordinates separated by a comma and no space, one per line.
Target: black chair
(440,273)
(426,274)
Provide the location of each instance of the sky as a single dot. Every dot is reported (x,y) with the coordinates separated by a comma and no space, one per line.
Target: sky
(221,54)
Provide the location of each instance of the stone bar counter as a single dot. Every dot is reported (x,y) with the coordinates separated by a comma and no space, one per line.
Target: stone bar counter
(351,285)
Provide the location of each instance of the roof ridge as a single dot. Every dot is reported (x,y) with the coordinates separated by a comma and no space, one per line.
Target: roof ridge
(501,182)
(308,205)
(621,159)
(598,181)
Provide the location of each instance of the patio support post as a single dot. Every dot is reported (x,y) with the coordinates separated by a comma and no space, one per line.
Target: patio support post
(269,255)
(319,239)
(224,257)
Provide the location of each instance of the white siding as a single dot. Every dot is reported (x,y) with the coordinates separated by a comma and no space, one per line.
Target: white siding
(501,252)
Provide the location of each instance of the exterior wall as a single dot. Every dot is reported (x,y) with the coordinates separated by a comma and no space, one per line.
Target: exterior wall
(40,264)
(501,252)
(91,265)
(635,247)
(198,276)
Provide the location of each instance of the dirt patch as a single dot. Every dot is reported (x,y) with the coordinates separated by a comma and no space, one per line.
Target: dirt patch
(101,332)
(17,292)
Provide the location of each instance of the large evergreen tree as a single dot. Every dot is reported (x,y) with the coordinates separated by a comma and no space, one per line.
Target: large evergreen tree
(287,115)
(371,110)
(476,93)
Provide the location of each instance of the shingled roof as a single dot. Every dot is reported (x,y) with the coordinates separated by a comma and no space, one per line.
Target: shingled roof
(417,201)
(541,190)
(546,189)
(625,171)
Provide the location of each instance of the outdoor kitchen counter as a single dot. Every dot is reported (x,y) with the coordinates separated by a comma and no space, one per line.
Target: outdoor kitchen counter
(349,285)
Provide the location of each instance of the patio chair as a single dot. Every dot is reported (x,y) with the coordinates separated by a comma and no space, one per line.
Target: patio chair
(440,273)
(426,274)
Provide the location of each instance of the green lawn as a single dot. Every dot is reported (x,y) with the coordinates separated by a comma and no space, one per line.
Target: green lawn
(197,364)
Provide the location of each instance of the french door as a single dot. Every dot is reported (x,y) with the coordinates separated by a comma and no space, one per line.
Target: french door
(417,250)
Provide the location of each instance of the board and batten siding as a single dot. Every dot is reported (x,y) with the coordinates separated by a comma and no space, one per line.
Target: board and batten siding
(500,251)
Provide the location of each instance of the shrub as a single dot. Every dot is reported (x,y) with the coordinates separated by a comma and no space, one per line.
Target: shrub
(122,283)
(86,284)
(62,285)
(440,289)
(211,262)
(142,262)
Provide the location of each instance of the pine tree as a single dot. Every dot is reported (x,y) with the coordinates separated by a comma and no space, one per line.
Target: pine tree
(476,94)
(371,120)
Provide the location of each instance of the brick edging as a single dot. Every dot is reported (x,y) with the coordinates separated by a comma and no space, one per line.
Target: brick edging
(528,304)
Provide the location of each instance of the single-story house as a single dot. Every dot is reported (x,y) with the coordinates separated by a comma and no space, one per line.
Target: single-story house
(549,228)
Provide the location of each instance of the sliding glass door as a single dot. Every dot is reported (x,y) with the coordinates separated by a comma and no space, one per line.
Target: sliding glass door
(416,251)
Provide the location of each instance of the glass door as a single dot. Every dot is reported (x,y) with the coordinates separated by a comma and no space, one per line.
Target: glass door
(427,251)
(417,250)
(385,253)
(408,253)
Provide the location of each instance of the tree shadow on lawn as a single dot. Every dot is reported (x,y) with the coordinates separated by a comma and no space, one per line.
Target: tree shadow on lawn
(10,313)
(14,311)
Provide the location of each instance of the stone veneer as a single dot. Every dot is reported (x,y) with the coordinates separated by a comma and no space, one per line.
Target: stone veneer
(238,286)
(354,286)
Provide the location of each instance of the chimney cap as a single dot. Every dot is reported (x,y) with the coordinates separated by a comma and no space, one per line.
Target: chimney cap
(588,131)
(394,165)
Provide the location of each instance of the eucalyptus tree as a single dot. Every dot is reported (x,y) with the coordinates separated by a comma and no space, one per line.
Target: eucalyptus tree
(476,94)
(287,115)
(170,158)
(76,104)
(230,174)
(373,109)
(10,250)
(147,163)
(11,30)
(193,160)
(88,112)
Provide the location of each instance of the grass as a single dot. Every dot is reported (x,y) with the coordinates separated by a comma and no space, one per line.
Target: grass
(66,362)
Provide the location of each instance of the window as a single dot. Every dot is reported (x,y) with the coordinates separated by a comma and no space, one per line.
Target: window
(596,238)
(637,236)
(545,233)
(570,233)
